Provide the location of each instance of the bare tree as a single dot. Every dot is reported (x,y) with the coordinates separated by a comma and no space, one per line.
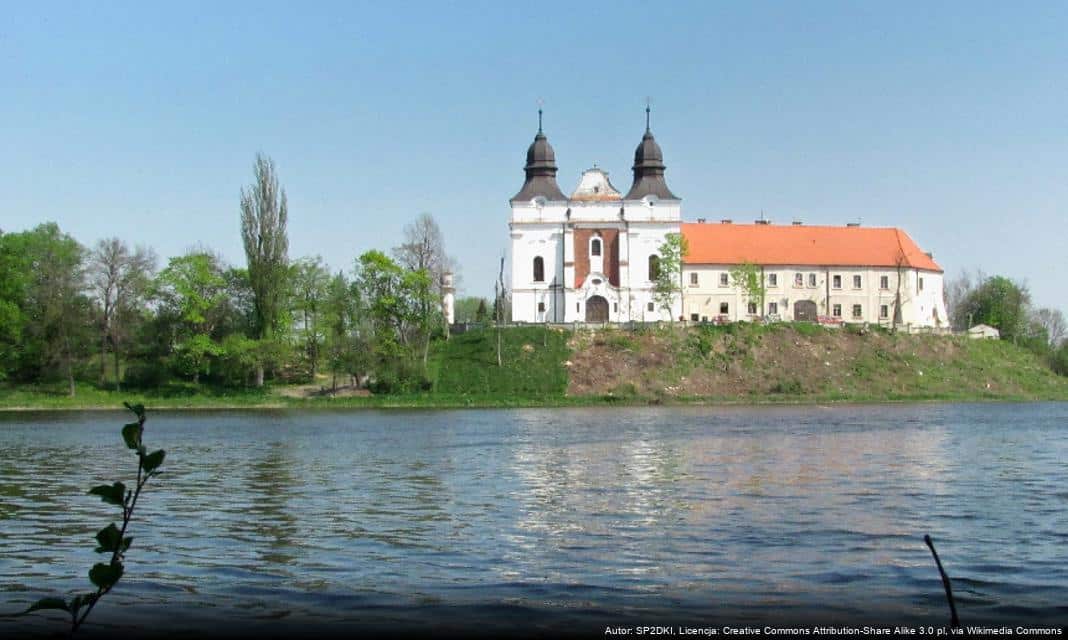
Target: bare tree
(120,280)
(263,228)
(1052,320)
(424,249)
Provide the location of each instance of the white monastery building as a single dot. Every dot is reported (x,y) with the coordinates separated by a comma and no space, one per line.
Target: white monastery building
(593,256)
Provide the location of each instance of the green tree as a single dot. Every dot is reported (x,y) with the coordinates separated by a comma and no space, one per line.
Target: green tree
(193,288)
(467,309)
(311,282)
(1002,303)
(750,279)
(44,312)
(264,215)
(668,283)
(343,346)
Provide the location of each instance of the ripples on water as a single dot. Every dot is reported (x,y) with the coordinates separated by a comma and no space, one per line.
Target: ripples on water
(556,519)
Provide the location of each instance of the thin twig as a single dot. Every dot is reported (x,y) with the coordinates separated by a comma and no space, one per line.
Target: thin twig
(954,621)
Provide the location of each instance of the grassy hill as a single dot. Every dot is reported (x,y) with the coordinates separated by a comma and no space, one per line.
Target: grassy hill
(532,363)
(803,362)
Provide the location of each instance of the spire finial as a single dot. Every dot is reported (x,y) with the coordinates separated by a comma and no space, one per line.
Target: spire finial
(648,108)
(540,103)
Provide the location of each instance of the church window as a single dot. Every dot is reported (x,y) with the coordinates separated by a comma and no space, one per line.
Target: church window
(723,280)
(857,311)
(920,284)
(539,269)
(541,307)
(724,307)
(884,282)
(595,247)
(836,282)
(799,279)
(811,279)
(693,279)
(654,267)
(836,311)
(857,282)
(650,307)
(615,306)
(773,279)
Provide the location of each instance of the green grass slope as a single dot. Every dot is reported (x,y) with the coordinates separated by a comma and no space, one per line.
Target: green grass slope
(533,364)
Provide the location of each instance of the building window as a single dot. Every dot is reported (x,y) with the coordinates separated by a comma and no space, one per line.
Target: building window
(539,269)
(773,308)
(884,311)
(724,308)
(799,279)
(773,279)
(857,312)
(695,317)
(654,268)
(595,247)
(693,279)
(576,306)
(811,279)
(919,284)
(724,280)
(651,307)
(541,307)
(615,306)
(884,282)
(836,311)
(752,308)
(836,282)
(856,282)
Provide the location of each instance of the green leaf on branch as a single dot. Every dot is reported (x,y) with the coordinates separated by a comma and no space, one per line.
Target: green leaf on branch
(126,543)
(109,539)
(153,460)
(111,494)
(105,575)
(131,434)
(47,603)
(139,409)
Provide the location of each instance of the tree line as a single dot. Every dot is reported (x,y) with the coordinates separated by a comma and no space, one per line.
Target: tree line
(112,315)
(974,298)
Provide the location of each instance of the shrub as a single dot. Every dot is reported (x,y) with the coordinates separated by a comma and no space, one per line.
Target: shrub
(791,386)
(145,375)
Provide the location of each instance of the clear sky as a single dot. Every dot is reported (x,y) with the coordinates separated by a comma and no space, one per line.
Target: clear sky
(947,119)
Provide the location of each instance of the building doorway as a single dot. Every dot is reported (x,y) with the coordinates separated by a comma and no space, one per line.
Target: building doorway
(805,310)
(596,309)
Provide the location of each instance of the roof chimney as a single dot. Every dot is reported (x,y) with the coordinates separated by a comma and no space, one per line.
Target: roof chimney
(930,255)
(852,224)
(762,221)
(797,223)
(700,221)
(726,221)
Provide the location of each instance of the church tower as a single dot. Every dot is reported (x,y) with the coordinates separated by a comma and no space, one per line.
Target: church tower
(590,256)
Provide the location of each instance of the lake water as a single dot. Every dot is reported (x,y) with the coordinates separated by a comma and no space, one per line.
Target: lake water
(547,520)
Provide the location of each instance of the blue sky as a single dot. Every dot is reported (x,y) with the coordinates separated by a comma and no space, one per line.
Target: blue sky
(949,120)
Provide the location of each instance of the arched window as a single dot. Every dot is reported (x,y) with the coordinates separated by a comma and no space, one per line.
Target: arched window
(539,269)
(595,247)
(654,267)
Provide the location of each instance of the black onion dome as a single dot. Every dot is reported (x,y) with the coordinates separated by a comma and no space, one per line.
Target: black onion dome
(649,171)
(541,172)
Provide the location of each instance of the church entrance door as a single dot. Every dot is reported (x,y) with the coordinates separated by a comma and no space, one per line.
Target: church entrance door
(805,310)
(596,309)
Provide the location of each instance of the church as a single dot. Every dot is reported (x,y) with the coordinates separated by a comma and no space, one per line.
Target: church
(593,256)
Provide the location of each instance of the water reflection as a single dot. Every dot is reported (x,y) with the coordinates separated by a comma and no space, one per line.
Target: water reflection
(292,515)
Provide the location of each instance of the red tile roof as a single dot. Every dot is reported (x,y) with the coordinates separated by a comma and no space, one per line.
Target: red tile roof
(769,244)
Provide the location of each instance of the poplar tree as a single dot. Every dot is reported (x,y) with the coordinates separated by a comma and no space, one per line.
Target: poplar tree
(263,230)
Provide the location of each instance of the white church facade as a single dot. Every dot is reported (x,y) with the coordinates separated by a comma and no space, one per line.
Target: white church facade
(593,257)
(586,257)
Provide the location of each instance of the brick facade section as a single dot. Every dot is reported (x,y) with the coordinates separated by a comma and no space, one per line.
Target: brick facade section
(609,253)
